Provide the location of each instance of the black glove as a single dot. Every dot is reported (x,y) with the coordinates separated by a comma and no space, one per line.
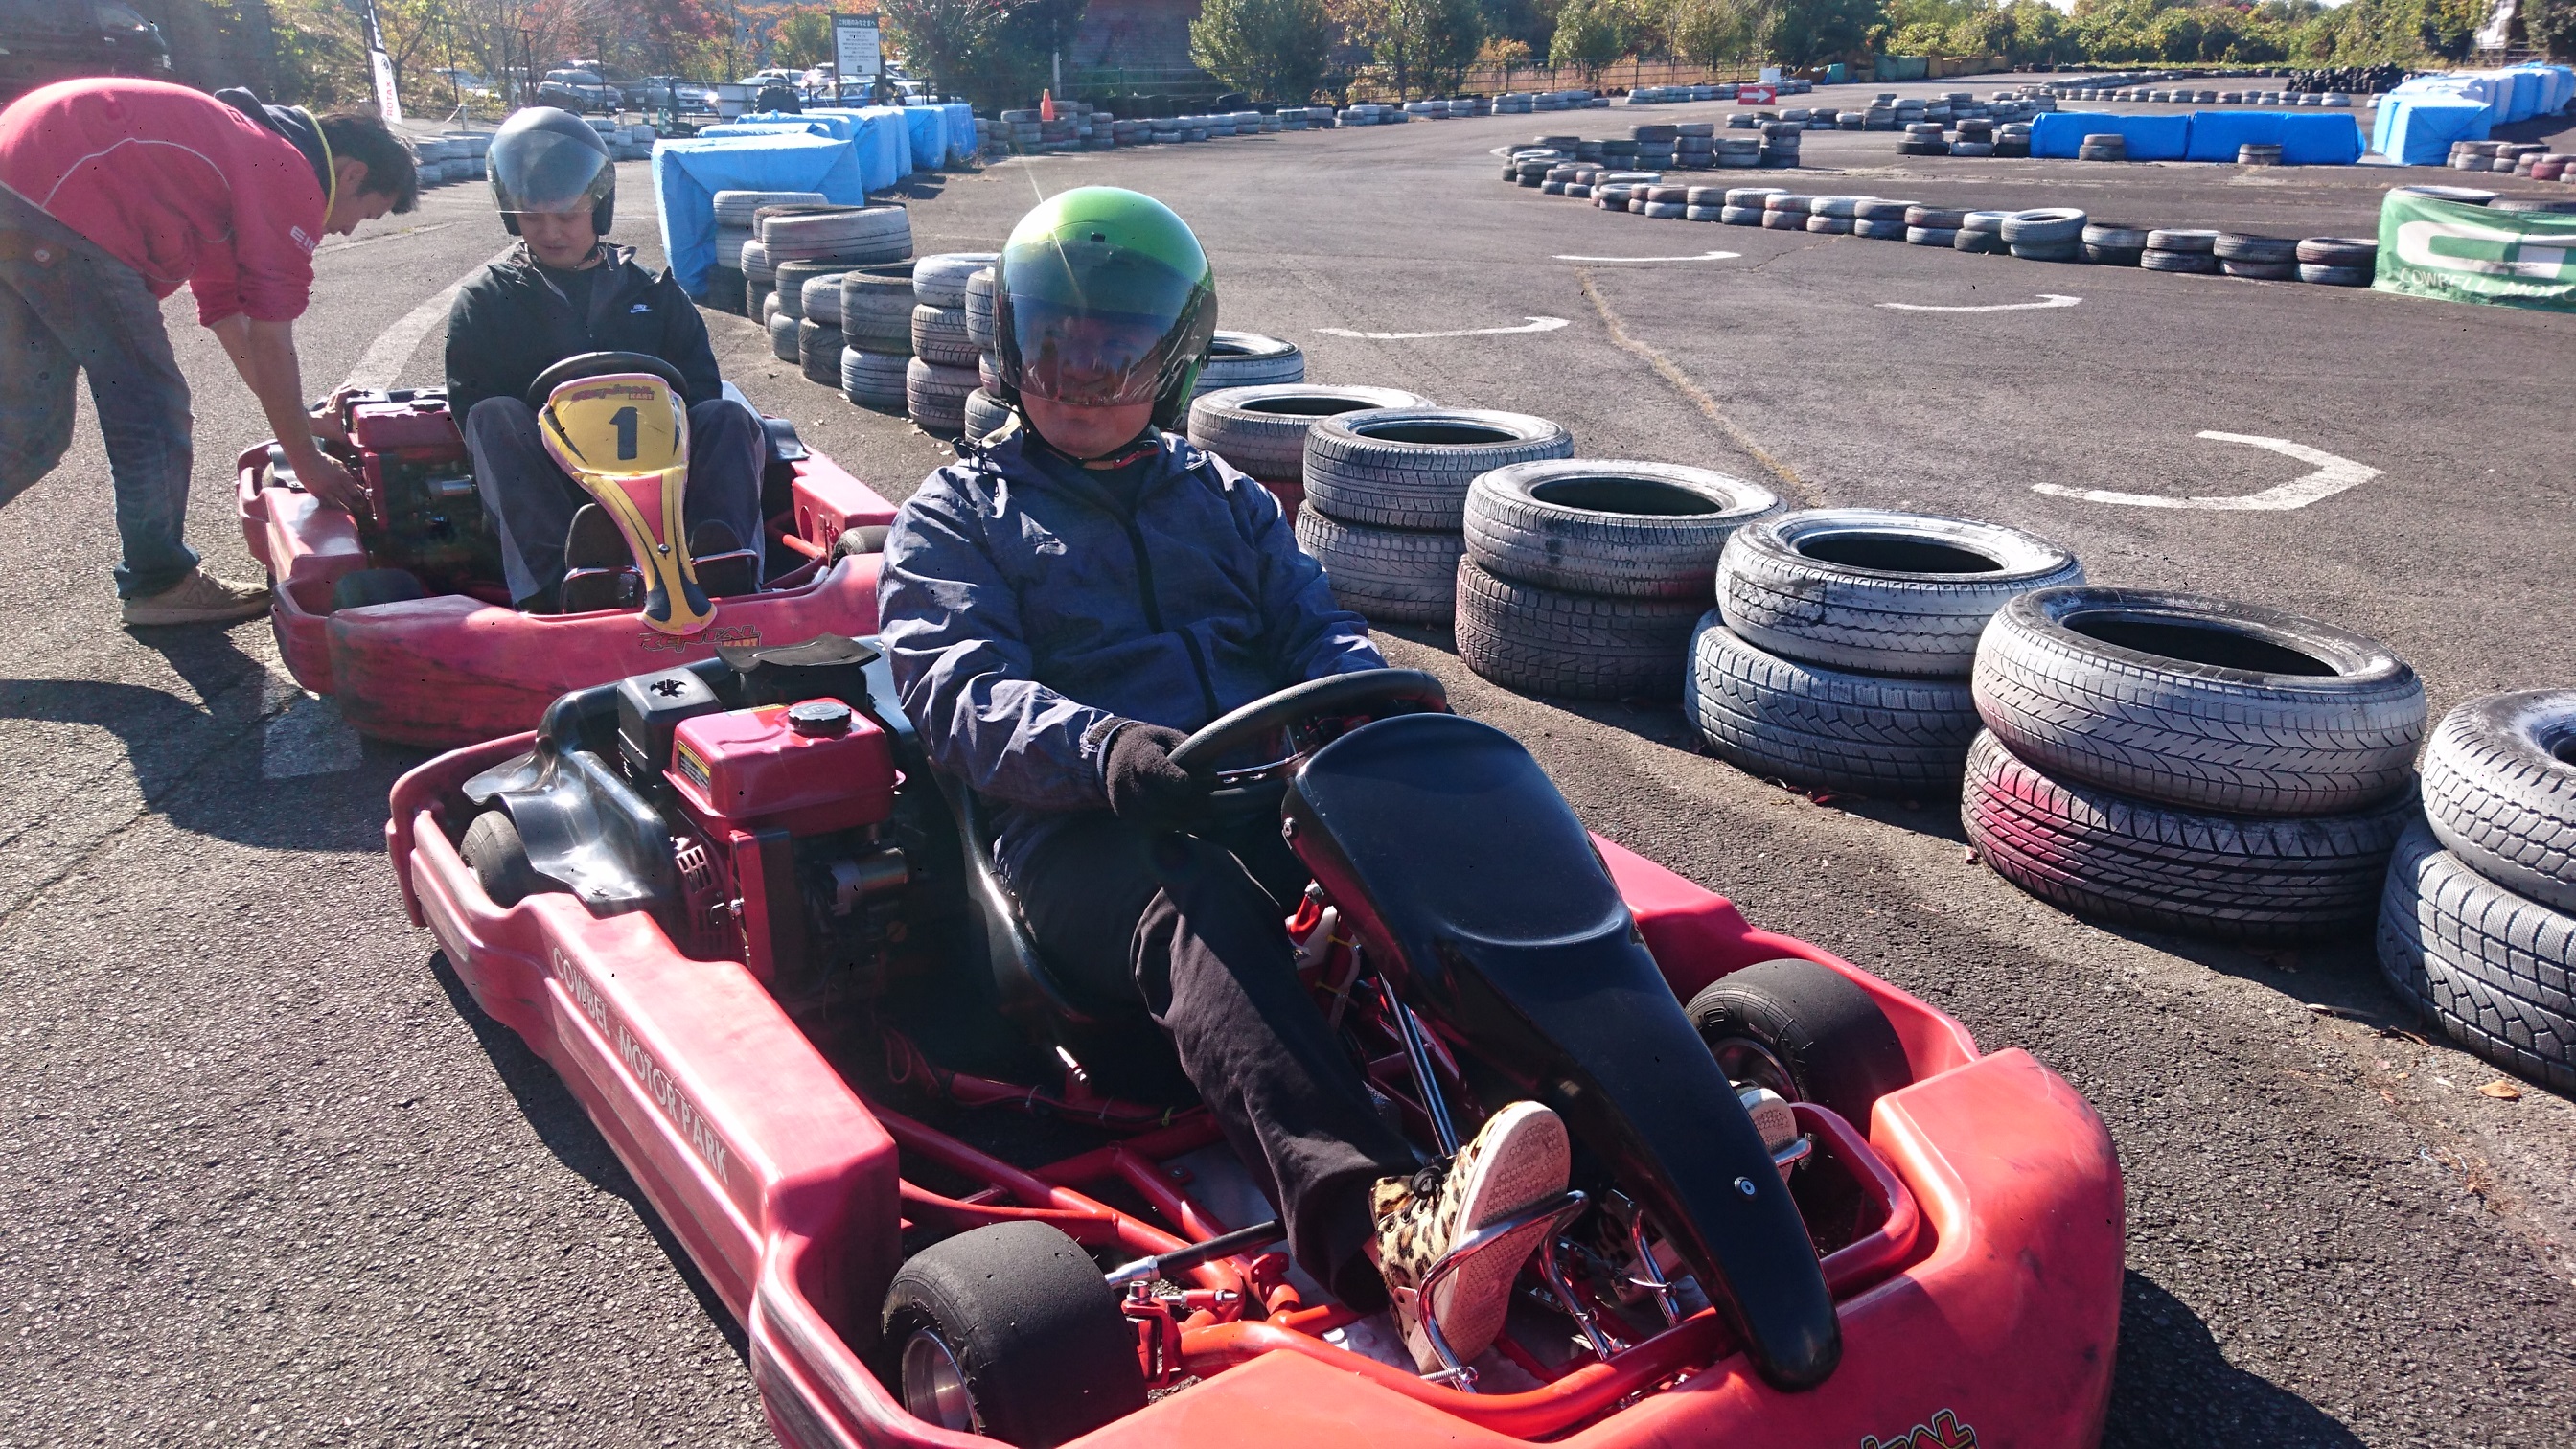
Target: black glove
(1145,787)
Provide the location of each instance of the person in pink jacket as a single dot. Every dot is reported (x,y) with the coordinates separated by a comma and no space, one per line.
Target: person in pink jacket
(113,194)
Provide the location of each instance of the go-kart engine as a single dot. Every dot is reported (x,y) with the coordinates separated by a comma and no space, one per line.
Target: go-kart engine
(423,513)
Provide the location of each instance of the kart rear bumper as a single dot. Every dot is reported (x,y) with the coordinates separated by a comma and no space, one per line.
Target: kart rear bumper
(1999,1330)
(452,669)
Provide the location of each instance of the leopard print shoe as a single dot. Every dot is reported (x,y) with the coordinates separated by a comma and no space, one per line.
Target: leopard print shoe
(1521,1156)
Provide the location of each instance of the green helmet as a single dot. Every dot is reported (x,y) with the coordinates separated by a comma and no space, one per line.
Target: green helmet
(1102,297)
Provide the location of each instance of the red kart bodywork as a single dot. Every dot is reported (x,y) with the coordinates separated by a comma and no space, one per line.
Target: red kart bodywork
(1982,1311)
(455,668)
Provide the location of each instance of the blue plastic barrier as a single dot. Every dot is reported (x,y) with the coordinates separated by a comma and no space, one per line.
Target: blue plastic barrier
(960,118)
(2325,139)
(890,136)
(926,133)
(2150,138)
(688,174)
(2417,130)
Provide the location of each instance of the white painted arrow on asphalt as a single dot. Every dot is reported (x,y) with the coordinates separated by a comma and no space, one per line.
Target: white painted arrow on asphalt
(1696,257)
(2332,476)
(2046,301)
(1536,324)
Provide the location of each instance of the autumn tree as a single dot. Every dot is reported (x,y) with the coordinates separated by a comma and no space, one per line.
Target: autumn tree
(1426,45)
(1272,49)
(1590,35)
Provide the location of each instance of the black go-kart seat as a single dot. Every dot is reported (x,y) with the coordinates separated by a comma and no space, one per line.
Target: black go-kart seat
(1479,894)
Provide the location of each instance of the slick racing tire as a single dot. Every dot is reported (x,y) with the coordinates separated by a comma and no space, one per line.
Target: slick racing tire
(2238,877)
(1631,530)
(1010,1331)
(1261,430)
(376,586)
(1805,1031)
(939,280)
(1573,646)
(1876,735)
(1410,467)
(2495,970)
(2500,791)
(2199,702)
(1401,575)
(499,859)
(1887,593)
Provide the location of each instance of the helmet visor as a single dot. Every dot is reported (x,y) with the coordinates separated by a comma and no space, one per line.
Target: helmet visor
(1098,326)
(538,170)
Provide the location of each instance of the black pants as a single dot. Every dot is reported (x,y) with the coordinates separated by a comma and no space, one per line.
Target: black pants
(531,502)
(1192,928)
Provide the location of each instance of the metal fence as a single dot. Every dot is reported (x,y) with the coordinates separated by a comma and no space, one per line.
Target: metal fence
(1377,83)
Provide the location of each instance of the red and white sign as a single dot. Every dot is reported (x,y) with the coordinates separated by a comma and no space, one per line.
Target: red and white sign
(1757,95)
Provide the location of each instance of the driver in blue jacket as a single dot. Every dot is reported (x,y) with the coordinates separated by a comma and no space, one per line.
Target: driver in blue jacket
(1061,607)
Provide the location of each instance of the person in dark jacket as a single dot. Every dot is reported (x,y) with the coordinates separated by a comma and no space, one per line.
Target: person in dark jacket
(563,292)
(1059,608)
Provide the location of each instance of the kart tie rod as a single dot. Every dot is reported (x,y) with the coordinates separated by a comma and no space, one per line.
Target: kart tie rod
(1179,1260)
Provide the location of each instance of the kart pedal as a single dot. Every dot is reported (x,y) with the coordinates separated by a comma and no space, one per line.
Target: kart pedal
(725,569)
(593,542)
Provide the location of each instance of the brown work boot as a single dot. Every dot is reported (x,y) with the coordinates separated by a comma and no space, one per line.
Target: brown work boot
(200,598)
(1520,1157)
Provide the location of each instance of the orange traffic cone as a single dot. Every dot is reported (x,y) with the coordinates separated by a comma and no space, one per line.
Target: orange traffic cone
(1046,105)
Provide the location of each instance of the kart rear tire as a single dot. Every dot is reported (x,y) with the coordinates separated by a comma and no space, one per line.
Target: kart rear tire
(376,586)
(1032,1331)
(861,541)
(1834,1045)
(499,859)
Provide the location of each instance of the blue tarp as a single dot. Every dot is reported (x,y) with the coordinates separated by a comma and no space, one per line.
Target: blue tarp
(885,153)
(2418,130)
(791,126)
(2150,138)
(688,174)
(926,130)
(2315,139)
(961,132)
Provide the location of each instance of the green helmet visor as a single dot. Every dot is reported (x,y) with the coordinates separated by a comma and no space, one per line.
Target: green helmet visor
(1096,325)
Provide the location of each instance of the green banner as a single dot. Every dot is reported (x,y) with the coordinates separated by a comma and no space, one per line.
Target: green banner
(2434,248)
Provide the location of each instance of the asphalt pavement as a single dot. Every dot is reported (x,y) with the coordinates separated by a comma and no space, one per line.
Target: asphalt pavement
(273,1180)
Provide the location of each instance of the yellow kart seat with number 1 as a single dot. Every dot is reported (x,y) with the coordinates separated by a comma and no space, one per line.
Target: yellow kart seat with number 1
(624,437)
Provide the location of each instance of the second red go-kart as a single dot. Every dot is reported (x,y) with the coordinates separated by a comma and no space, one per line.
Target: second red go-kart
(399,612)
(763,943)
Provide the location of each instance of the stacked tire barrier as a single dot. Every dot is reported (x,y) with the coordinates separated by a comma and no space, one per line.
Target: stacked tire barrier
(1584,579)
(1248,359)
(2190,764)
(943,366)
(1839,652)
(1261,430)
(2477,929)
(984,413)
(736,214)
(807,248)
(876,334)
(1386,500)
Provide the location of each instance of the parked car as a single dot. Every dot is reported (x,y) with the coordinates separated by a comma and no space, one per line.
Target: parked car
(43,41)
(578,91)
(670,92)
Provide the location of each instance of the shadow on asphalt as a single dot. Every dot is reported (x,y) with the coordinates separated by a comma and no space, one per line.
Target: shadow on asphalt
(2173,1385)
(566,1130)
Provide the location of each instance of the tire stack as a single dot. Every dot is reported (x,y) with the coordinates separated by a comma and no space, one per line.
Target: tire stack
(2106,146)
(2477,930)
(1981,231)
(1261,430)
(2179,249)
(1838,655)
(818,329)
(2107,245)
(2046,234)
(735,215)
(2265,258)
(2339,261)
(2190,764)
(808,246)
(942,370)
(1583,579)
(1386,500)
(787,322)
(1933,226)
(985,413)
(1248,359)
(876,334)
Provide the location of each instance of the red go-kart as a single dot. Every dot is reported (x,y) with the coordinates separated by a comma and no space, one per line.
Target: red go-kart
(400,614)
(947,1196)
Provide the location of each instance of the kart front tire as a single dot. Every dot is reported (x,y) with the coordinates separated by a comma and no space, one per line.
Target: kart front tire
(1836,1047)
(499,859)
(1010,1331)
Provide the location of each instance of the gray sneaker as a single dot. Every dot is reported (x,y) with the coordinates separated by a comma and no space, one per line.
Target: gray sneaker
(200,598)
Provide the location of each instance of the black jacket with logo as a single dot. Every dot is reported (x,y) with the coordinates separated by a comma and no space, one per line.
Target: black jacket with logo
(511,321)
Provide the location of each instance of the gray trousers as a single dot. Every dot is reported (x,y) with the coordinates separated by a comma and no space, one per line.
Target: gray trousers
(67,308)
(531,502)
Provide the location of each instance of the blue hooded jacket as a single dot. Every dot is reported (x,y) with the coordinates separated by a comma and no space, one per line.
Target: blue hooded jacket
(1028,613)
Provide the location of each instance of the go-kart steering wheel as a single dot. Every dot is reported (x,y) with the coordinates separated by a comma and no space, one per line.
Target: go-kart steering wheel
(600,364)
(1374,692)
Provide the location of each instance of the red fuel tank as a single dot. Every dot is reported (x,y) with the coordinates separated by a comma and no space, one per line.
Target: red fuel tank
(809,768)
